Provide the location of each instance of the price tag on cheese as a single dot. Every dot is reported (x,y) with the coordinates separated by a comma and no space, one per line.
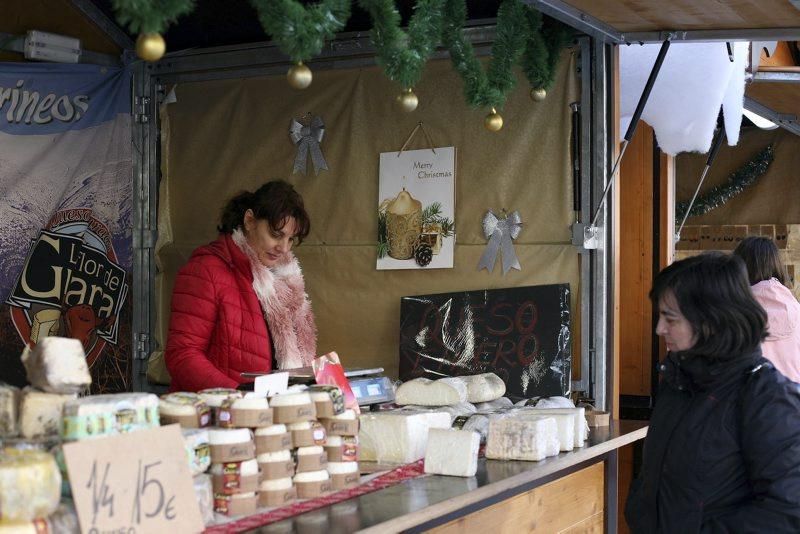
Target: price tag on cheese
(135,482)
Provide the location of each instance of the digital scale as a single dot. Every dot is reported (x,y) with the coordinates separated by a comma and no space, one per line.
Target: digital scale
(369,385)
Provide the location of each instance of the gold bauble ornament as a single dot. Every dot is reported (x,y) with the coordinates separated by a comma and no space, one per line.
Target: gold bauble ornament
(407,100)
(537,95)
(299,76)
(493,121)
(150,46)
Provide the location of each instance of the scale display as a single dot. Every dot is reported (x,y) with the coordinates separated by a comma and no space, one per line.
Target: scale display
(373,390)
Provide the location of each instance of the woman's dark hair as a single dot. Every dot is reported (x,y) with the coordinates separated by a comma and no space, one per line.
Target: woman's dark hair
(713,294)
(760,255)
(274,202)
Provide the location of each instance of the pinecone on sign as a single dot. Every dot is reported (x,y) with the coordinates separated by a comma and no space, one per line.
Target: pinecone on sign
(423,255)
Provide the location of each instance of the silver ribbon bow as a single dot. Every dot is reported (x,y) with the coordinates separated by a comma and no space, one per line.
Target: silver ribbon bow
(500,233)
(307,139)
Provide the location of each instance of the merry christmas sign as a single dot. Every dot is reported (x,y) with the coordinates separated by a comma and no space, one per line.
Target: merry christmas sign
(416,209)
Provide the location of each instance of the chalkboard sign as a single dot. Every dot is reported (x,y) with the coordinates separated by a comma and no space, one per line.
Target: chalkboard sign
(522,334)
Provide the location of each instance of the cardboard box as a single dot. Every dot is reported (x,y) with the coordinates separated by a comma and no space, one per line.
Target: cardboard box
(293,414)
(309,436)
(230,483)
(228,417)
(345,480)
(228,505)
(273,443)
(311,462)
(277,497)
(311,490)
(275,470)
(233,452)
(340,427)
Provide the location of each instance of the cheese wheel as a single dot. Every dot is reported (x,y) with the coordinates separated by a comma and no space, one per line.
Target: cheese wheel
(312,476)
(246,468)
(485,387)
(215,396)
(425,392)
(342,468)
(279,456)
(272,430)
(303,425)
(228,436)
(314,449)
(30,484)
(290,399)
(277,484)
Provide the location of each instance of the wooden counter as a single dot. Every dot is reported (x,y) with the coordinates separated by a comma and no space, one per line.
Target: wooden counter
(574,491)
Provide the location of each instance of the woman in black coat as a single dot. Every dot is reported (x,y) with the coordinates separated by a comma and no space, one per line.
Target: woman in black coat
(723,449)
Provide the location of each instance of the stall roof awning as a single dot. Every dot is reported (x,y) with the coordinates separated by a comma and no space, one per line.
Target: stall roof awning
(633,20)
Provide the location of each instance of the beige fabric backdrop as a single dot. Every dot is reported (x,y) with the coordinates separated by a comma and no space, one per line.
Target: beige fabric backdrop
(773,199)
(224,136)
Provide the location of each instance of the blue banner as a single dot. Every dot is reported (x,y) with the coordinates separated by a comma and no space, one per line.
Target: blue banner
(66,199)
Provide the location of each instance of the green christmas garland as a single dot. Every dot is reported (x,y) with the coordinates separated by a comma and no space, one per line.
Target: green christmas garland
(150,16)
(301,31)
(486,88)
(546,40)
(737,182)
(403,54)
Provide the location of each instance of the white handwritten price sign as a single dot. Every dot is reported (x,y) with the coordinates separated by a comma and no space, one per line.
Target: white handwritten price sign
(133,483)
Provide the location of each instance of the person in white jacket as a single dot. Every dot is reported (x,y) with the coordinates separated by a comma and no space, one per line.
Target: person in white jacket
(770,284)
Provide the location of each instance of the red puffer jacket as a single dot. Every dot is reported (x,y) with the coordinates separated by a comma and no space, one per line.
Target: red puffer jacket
(217,328)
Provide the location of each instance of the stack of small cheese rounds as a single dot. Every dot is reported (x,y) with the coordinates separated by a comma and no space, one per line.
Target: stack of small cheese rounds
(341,443)
(297,411)
(234,469)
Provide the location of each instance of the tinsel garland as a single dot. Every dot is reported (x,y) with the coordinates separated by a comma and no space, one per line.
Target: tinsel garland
(150,16)
(403,54)
(486,88)
(301,31)
(737,182)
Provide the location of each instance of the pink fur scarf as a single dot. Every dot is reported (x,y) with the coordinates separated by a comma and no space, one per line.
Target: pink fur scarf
(281,292)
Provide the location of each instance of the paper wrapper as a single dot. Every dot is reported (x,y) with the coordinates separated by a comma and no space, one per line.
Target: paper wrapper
(595,418)
(275,470)
(231,481)
(277,497)
(311,462)
(273,443)
(345,480)
(228,417)
(331,407)
(198,420)
(293,414)
(227,505)
(309,436)
(233,452)
(311,490)
(339,427)
(346,452)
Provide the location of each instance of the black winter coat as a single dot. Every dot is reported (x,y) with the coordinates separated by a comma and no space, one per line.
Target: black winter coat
(722,453)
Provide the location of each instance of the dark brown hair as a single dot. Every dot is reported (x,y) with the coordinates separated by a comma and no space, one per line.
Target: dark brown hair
(274,202)
(713,294)
(760,255)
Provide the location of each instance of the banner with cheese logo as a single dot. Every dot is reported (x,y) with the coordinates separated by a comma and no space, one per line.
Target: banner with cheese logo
(66,215)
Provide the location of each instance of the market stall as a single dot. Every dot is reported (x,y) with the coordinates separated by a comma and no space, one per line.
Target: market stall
(210,122)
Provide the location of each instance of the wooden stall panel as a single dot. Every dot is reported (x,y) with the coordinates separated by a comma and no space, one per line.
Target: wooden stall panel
(574,503)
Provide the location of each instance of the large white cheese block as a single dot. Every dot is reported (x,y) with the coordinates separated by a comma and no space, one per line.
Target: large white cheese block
(57,365)
(398,436)
(425,392)
(565,426)
(522,438)
(30,485)
(484,387)
(9,403)
(462,409)
(581,426)
(40,413)
(452,452)
(503,403)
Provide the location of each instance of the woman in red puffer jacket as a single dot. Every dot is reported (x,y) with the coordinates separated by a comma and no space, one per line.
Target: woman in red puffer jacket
(239,304)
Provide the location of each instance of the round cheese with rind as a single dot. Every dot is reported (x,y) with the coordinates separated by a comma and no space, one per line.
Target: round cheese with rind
(426,392)
(30,484)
